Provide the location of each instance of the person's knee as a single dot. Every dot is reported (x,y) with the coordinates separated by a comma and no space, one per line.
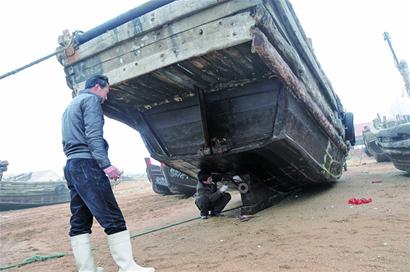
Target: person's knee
(227,196)
(202,202)
(81,222)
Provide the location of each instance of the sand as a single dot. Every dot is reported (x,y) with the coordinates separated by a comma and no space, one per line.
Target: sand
(311,230)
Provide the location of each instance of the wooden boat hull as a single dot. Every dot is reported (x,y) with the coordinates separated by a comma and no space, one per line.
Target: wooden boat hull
(178,182)
(395,142)
(167,180)
(19,195)
(372,147)
(259,129)
(230,87)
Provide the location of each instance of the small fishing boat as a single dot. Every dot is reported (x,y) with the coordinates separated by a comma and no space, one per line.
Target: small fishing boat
(371,146)
(31,190)
(395,143)
(167,180)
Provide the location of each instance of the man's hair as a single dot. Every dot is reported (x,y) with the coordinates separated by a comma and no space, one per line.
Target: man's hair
(203,175)
(97,79)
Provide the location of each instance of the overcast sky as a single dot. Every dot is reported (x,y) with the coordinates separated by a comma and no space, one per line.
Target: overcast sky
(347,38)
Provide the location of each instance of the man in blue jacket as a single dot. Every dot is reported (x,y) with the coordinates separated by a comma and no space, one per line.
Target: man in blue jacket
(87,172)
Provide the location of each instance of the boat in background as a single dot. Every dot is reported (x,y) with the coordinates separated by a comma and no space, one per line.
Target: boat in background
(32,189)
(372,148)
(166,180)
(395,143)
(178,182)
(394,135)
(156,178)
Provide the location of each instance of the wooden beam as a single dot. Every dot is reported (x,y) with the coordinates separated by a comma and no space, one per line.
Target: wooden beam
(271,57)
(162,23)
(207,148)
(296,33)
(154,135)
(220,34)
(272,28)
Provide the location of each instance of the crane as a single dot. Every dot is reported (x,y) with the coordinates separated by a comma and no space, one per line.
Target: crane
(401,66)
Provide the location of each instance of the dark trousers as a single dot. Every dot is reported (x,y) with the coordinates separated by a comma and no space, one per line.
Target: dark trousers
(205,205)
(91,195)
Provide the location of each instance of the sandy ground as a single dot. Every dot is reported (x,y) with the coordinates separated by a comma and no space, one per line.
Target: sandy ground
(313,230)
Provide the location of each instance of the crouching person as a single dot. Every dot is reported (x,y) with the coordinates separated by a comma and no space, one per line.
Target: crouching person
(209,199)
(87,172)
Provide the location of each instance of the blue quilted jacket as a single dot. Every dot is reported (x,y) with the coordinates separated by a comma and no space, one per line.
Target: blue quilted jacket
(82,129)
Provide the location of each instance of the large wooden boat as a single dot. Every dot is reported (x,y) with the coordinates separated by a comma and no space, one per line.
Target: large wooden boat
(230,87)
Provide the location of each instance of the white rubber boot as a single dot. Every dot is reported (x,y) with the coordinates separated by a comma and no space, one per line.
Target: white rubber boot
(82,253)
(121,251)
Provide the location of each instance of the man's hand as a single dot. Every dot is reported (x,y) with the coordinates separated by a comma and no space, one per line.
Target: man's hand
(223,188)
(112,172)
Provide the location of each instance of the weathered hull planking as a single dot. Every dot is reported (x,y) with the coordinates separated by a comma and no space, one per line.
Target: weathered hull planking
(232,87)
(21,194)
(395,142)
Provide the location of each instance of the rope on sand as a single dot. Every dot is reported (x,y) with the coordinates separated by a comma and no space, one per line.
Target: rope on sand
(33,259)
(42,258)
(174,224)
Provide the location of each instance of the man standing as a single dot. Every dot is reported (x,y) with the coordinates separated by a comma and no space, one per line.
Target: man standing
(87,171)
(209,199)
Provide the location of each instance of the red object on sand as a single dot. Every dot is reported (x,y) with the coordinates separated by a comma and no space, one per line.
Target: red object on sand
(358,201)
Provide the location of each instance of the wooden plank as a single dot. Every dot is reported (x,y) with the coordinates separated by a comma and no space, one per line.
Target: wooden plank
(135,45)
(127,94)
(223,72)
(150,86)
(143,90)
(258,66)
(267,22)
(138,26)
(199,79)
(174,18)
(203,66)
(276,63)
(225,62)
(297,34)
(185,79)
(198,41)
(237,58)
